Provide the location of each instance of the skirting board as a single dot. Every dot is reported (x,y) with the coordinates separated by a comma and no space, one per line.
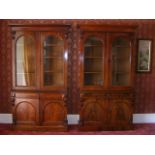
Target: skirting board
(144,118)
(73,119)
(137,118)
(6,119)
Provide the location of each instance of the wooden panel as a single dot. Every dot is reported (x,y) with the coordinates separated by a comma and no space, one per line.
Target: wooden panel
(120,114)
(120,110)
(93,113)
(53,111)
(106,111)
(107,28)
(25,112)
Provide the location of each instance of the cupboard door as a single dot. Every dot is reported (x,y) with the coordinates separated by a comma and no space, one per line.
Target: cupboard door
(53,111)
(120,112)
(121,61)
(54,56)
(93,114)
(25,61)
(26,111)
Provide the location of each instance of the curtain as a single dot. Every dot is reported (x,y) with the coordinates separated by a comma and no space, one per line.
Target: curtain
(29,60)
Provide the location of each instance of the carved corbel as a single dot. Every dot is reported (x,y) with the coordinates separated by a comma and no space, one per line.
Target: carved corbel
(13,34)
(12,99)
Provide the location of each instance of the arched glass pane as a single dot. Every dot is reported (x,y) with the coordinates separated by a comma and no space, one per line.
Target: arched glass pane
(93,61)
(121,65)
(25,61)
(53,61)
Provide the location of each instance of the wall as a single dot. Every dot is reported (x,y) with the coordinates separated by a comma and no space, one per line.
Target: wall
(5,68)
(144,82)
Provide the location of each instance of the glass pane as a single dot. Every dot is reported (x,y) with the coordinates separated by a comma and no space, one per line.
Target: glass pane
(25,61)
(93,65)
(53,78)
(53,61)
(93,79)
(93,62)
(121,62)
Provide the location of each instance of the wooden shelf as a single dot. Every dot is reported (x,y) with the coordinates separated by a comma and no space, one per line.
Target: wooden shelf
(120,72)
(53,45)
(53,71)
(53,57)
(120,46)
(92,72)
(119,60)
(26,73)
(93,58)
(93,45)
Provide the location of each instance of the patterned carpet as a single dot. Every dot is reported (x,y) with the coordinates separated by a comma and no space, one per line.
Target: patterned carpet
(139,129)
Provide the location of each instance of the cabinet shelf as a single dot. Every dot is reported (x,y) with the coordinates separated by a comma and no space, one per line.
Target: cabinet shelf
(53,71)
(121,46)
(119,72)
(53,45)
(93,45)
(93,72)
(26,73)
(121,58)
(53,57)
(93,57)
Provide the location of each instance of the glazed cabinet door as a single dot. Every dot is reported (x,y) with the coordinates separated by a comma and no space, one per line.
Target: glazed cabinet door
(25,60)
(93,62)
(121,61)
(54,56)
